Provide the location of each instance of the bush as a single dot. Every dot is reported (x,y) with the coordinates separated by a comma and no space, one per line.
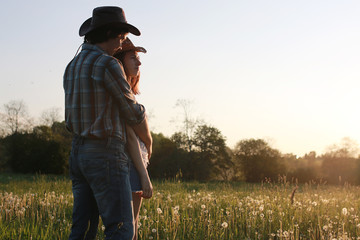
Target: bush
(30,153)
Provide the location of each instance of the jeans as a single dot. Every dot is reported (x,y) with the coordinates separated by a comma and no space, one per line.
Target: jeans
(99,171)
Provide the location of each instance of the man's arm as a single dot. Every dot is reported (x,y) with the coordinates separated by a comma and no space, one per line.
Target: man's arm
(119,89)
(143,132)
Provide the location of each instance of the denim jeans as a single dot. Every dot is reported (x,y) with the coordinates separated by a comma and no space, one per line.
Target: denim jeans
(99,170)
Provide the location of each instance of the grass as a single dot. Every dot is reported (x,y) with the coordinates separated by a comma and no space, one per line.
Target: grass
(40,207)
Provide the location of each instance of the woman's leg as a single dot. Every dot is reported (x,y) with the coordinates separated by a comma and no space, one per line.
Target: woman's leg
(136,206)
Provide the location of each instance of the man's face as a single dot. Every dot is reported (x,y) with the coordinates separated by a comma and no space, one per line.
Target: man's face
(120,39)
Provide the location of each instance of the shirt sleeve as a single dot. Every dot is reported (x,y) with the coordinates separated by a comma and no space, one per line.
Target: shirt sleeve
(115,82)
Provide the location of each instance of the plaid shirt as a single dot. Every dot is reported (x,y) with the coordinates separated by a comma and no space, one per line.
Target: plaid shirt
(98,99)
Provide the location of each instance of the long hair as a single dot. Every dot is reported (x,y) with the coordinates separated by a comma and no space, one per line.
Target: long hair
(133,81)
(134,84)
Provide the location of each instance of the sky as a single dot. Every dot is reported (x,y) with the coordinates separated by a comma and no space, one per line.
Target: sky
(284,71)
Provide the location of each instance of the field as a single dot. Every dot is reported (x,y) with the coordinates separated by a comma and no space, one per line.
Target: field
(39,207)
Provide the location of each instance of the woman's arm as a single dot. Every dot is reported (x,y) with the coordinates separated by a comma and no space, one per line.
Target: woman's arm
(134,150)
(142,130)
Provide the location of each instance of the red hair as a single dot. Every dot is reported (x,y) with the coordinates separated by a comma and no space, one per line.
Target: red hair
(134,84)
(133,81)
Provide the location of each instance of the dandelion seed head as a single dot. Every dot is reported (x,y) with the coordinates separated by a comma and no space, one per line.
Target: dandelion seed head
(224,225)
(344,211)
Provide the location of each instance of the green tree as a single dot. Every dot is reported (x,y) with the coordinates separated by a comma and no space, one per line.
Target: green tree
(167,160)
(258,160)
(45,150)
(340,163)
(32,153)
(213,159)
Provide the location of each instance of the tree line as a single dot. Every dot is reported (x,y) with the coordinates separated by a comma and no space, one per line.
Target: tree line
(197,152)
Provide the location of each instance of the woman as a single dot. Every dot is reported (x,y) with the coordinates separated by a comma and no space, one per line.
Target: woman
(139,178)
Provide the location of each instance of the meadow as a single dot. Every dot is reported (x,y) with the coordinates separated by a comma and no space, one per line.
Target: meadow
(40,207)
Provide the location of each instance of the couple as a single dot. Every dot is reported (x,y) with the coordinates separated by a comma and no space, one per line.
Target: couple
(112,141)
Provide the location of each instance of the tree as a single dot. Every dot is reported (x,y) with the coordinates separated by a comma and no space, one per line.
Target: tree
(167,160)
(258,160)
(339,163)
(50,116)
(34,153)
(45,150)
(184,138)
(213,159)
(15,117)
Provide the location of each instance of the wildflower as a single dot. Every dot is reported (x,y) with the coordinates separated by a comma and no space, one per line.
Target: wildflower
(203,206)
(325,228)
(153,230)
(150,237)
(159,211)
(224,225)
(344,211)
(261,208)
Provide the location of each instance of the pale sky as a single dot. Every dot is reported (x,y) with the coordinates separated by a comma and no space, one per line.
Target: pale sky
(284,71)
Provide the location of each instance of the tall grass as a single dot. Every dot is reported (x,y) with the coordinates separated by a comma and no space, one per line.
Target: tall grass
(40,207)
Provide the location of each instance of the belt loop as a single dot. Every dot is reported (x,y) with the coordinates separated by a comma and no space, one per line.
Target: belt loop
(108,142)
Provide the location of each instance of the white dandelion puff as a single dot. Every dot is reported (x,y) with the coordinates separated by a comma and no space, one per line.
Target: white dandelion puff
(224,225)
(344,211)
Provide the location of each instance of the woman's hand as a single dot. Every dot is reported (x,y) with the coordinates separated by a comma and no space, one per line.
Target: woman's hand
(149,150)
(147,187)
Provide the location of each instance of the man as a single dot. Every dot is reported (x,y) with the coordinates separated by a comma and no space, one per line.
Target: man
(98,103)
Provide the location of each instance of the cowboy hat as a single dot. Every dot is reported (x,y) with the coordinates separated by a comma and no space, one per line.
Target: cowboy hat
(127,46)
(107,16)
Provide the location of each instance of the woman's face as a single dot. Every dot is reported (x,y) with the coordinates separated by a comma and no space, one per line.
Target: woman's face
(131,64)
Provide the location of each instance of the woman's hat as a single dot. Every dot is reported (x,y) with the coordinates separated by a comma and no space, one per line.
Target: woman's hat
(107,16)
(127,45)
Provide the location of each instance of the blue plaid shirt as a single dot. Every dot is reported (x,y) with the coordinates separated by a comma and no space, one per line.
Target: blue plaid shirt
(98,99)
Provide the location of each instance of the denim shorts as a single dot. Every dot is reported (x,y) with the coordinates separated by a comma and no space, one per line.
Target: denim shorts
(134,178)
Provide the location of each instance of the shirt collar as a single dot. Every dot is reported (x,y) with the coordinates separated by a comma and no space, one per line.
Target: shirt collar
(92,47)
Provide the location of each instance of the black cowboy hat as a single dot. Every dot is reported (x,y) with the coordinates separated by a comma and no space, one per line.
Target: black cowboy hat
(107,16)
